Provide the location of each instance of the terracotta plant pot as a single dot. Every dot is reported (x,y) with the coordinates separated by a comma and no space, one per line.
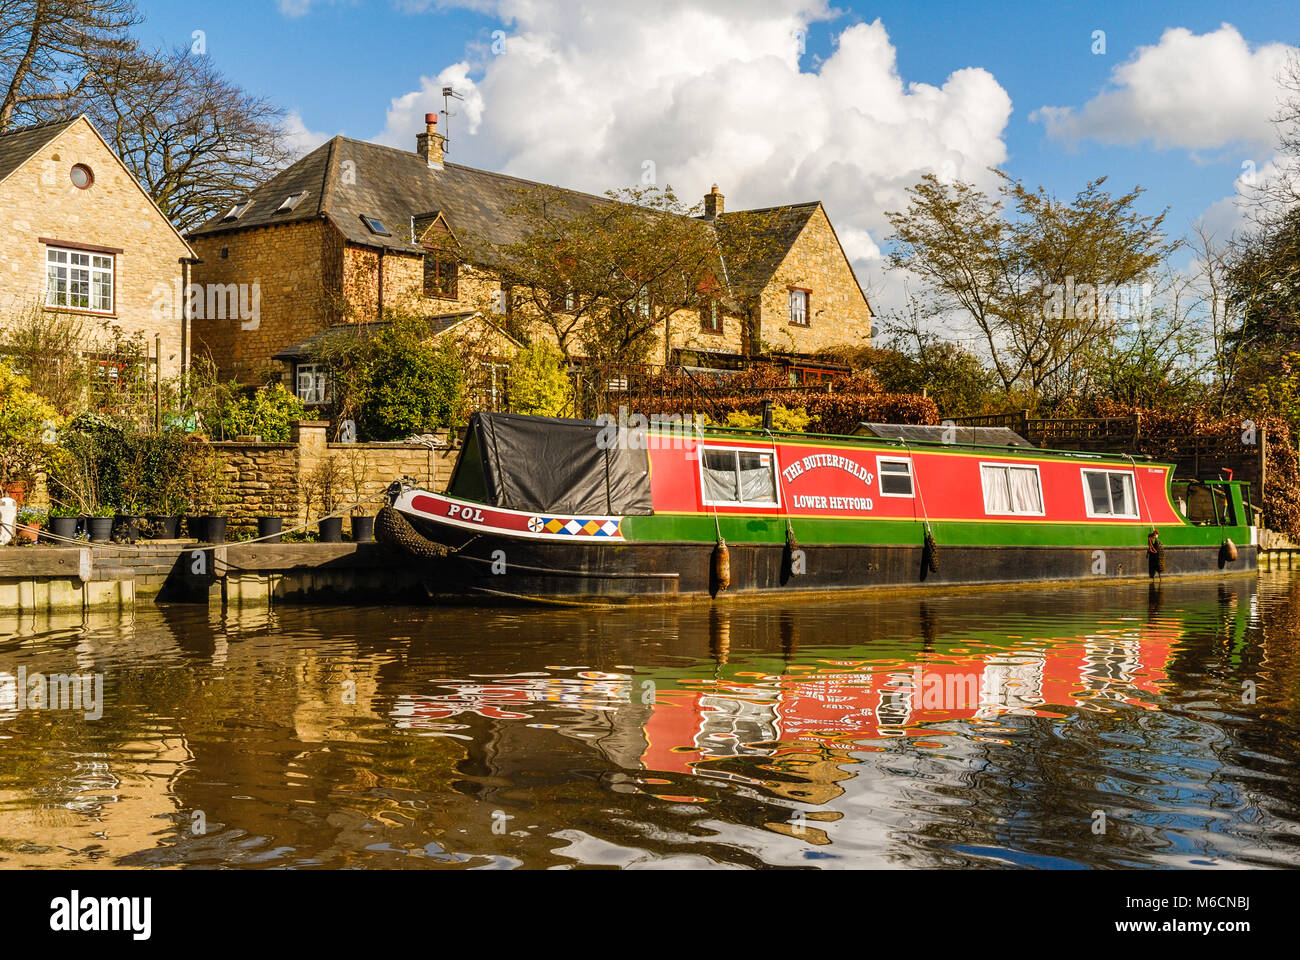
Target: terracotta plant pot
(331,530)
(27,532)
(268,529)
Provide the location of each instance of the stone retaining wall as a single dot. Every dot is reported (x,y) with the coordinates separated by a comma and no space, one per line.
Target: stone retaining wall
(272,479)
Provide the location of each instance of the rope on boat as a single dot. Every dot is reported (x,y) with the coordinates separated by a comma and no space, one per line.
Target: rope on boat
(791,542)
(929,548)
(394,530)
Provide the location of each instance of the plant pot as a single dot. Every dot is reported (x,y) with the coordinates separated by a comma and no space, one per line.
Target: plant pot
(126,527)
(268,529)
(100,529)
(363,529)
(27,532)
(162,528)
(195,528)
(16,489)
(331,530)
(64,528)
(214,529)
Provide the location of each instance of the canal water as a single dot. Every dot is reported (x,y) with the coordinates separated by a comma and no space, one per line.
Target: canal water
(1091,726)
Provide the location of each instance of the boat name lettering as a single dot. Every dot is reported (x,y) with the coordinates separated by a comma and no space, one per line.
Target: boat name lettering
(465,513)
(807,502)
(813,461)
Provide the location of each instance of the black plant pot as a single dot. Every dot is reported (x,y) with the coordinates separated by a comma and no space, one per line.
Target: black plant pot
(162,528)
(64,527)
(363,529)
(331,530)
(268,529)
(214,529)
(195,528)
(100,529)
(127,528)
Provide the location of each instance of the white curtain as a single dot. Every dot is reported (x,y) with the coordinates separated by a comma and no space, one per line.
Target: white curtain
(997,495)
(1026,497)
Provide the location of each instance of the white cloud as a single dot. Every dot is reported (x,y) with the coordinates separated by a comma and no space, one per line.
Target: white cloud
(298,137)
(711,91)
(1189,91)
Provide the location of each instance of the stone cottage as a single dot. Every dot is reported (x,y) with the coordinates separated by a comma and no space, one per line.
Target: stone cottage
(345,233)
(79,236)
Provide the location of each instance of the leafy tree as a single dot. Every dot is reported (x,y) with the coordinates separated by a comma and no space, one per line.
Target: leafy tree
(539,382)
(1028,271)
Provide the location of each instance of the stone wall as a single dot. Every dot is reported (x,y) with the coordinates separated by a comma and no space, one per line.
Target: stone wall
(840,314)
(296,267)
(272,479)
(39,201)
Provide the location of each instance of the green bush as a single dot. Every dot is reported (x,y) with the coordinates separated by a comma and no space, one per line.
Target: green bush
(25,422)
(539,383)
(268,412)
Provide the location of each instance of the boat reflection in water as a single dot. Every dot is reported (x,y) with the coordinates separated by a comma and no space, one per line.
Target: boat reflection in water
(962,730)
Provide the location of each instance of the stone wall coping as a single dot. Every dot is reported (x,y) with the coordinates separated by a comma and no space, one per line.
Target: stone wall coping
(243,445)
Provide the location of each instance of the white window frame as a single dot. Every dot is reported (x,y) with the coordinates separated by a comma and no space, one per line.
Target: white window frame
(320,384)
(702,449)
(92,271)
(880,477)
(1015,466)
(804,300)
(1087,495)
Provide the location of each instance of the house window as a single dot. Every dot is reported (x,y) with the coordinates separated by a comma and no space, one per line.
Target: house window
(711,318)
(78,280)
(440,278)
(291,201)
(373,224)
(1110,493)
(736,476)
(82,176)
(1011,489)
(640,304)
(895,476)
(799,308)
(311,383)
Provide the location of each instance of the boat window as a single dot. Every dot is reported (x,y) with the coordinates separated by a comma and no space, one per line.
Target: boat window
(895,477)
(1011,489)
(1110,493)
(738,476)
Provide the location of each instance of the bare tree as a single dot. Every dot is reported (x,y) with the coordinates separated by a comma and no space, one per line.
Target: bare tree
(46,47)
(196,141)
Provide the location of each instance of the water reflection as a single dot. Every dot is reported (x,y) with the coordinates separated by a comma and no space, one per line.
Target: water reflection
(945,731)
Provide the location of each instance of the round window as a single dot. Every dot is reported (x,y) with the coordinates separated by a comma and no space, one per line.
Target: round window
(81,176)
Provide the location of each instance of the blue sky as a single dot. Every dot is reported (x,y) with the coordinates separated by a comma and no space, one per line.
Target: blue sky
(710,90)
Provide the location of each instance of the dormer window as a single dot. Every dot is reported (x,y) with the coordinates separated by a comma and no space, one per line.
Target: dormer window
(291,201)
(237,211)
(375,226)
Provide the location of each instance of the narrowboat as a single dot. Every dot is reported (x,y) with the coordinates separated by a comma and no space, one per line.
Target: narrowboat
(543,509)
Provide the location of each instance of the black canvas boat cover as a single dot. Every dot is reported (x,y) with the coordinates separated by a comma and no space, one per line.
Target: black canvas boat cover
(551,466)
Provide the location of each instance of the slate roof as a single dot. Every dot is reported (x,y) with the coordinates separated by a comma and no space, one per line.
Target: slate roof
(345,180)
(774,231)
(18,146)
(306,348)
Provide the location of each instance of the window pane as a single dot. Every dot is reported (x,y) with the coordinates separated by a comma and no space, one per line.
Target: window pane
(1099,493)
(1121,495)
(997,494)
(757,483)
(1026,497)
(896,478)
(720,475)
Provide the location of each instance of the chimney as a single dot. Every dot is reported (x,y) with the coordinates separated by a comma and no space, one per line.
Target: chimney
(429,144)
(713,204)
